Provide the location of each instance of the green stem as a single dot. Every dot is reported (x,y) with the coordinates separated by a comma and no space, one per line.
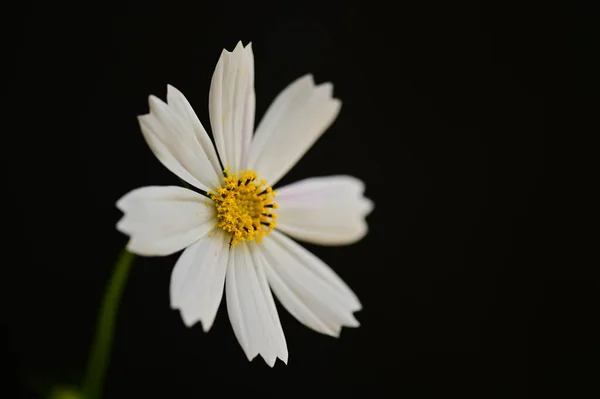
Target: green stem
(100,353)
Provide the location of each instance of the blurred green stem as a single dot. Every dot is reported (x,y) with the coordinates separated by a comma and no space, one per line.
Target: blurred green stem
(100,353)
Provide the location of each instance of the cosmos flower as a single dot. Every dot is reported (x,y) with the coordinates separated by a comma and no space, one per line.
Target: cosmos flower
(234,228)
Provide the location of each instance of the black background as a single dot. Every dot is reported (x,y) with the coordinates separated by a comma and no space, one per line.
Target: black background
(468,283)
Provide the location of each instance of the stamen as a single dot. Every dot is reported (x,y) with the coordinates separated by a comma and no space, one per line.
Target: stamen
(241,204)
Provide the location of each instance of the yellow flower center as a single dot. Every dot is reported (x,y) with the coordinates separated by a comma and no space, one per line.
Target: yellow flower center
(244,206)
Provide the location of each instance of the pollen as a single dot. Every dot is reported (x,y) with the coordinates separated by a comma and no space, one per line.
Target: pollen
(245,206)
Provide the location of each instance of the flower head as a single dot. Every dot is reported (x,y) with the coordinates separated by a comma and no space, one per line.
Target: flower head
(235,228)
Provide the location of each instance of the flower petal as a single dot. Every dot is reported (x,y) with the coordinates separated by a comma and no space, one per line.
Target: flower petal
(307,287)
(164,220)
(324,210)
(177,101)
(198,279)
(231,105)
(293,122)
(251,307)
(178,141)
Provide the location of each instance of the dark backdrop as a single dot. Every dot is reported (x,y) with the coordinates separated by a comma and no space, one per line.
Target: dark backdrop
(446,112)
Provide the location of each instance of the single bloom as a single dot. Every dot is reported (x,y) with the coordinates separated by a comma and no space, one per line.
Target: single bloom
(235,229)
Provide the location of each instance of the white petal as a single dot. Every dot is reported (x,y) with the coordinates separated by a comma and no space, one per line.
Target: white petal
(307,287)
(198,279)
(251,307)
(324,210)
(177,101)
(178,140)
(294,121)
(164,220)
(231,105)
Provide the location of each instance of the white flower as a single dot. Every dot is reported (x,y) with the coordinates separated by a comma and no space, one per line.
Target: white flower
(227,230)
